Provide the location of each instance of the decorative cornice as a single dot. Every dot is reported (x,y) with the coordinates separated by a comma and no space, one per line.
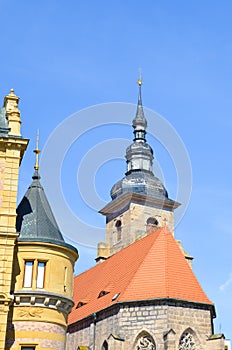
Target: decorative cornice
(43,299)
(130,197)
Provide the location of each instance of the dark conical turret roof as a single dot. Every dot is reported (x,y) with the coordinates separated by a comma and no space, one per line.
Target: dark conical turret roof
(35,221)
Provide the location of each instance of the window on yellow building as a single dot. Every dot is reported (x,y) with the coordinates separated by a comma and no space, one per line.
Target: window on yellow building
(40,274)
(27,347)
(34,274)
(28,274)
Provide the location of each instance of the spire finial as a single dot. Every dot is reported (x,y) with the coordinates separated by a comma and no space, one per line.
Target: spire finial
(140,83)
(140,80)
(37,152)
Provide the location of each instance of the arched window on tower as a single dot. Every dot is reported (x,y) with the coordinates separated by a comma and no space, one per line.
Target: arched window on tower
(187,341)
(105,346)
(152,225)
(118,226)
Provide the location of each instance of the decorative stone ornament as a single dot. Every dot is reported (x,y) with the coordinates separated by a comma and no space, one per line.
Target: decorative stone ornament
(145,343)
(187,342)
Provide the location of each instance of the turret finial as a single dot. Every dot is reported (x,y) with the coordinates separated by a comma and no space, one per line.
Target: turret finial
(37,152)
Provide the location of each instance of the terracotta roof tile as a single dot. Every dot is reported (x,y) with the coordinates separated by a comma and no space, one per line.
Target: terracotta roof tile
(152,268)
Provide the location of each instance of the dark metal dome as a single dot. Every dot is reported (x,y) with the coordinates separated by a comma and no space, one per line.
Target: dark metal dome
(140,182)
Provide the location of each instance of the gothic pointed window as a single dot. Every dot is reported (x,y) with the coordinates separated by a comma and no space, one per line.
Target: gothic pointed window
(145,342)
(187,342)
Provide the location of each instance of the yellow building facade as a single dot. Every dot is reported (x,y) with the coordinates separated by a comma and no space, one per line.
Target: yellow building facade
(36,265)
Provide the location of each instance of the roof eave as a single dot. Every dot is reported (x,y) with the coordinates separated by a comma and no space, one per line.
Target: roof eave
(126,198)
(121,302)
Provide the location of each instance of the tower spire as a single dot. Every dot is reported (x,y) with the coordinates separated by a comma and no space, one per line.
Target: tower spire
(140,122)
(37,152)
(140,83)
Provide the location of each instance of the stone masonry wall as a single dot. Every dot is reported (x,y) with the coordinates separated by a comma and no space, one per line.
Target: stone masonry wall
(134,225)
(130,321)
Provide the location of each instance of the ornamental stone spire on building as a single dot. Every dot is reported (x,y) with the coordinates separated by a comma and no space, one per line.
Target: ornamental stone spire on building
(12,148)
(140,202)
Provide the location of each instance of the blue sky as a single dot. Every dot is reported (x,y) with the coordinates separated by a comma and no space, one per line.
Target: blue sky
(62,57)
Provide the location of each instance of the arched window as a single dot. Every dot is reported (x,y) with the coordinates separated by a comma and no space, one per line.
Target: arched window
(145,342)
(105,346)
(187,341)
(118,226)
(152,221)
(152,224)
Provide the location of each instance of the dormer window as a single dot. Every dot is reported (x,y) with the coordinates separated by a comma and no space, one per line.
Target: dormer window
(102,293)
(80,304)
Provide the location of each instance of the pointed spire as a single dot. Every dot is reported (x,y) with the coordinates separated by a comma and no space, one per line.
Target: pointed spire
(35,220)
(139,177)
(140,122)
(140,83)
(37,152)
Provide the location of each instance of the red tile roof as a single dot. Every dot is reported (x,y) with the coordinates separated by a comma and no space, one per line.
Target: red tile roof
(152,268)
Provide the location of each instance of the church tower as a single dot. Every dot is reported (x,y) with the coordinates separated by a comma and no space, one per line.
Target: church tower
(140,202)
(12,148)
(143,294)
(42,280)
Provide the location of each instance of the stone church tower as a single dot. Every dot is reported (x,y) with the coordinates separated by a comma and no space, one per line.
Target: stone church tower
(142,294)
(140,202)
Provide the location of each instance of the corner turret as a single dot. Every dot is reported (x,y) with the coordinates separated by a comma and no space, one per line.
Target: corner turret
(42,282)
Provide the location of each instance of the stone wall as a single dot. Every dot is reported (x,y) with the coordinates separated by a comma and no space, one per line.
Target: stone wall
(134,225)
(165,322)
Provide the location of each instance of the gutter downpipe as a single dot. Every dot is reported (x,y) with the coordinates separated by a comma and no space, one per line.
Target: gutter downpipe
(94,329)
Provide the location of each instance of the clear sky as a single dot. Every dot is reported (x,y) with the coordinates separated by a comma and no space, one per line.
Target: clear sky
(64,56)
